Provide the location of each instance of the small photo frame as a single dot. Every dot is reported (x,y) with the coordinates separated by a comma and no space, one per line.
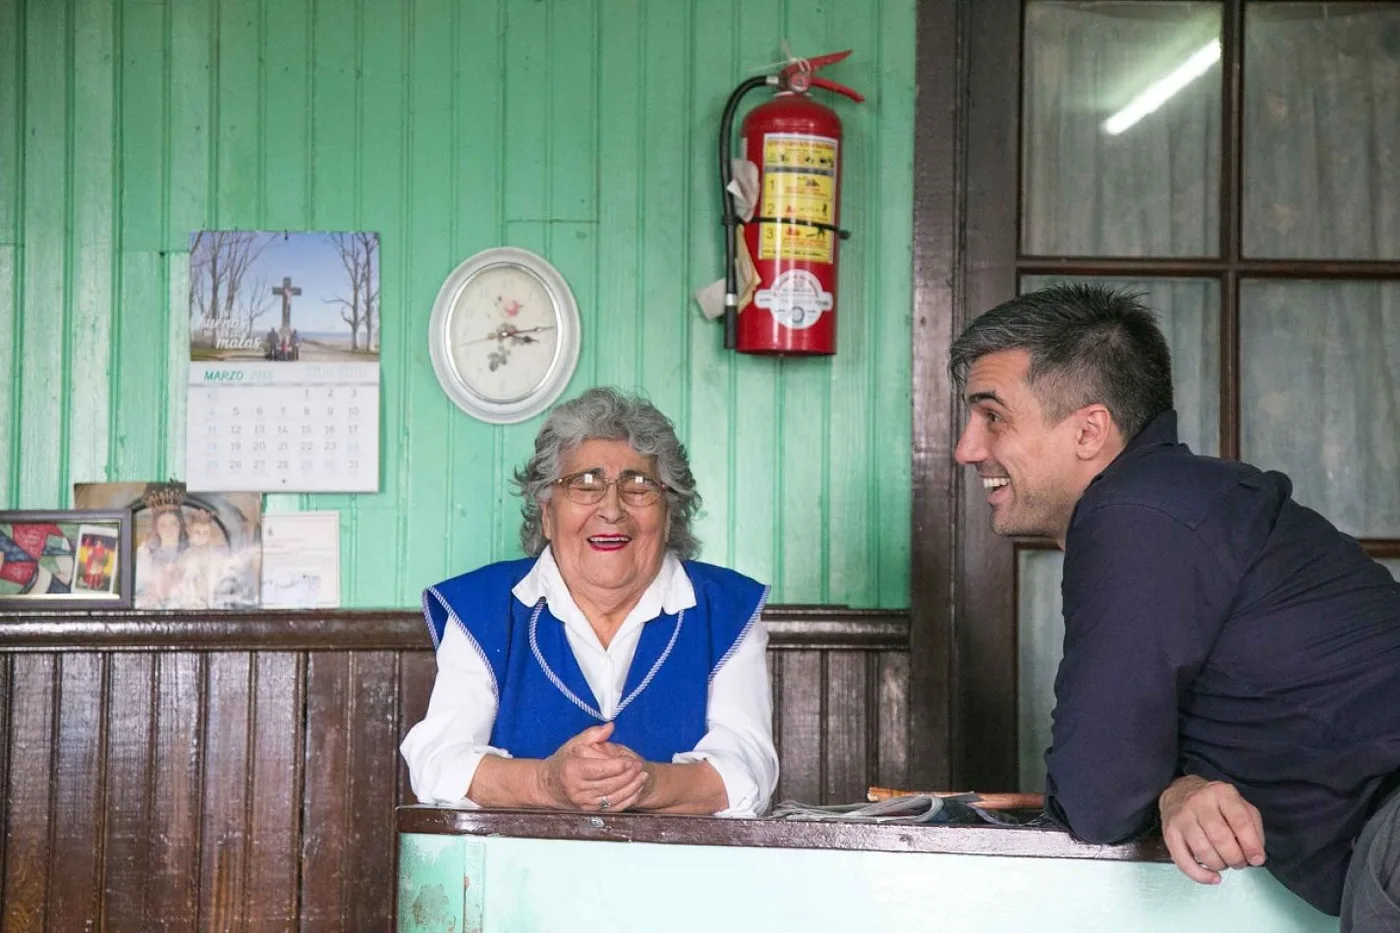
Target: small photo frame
(65,560)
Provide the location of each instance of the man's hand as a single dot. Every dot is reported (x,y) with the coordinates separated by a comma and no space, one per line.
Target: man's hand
(588,770)
(1208,826)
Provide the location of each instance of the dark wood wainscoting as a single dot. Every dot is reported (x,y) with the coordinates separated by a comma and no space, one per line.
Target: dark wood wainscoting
(240,772)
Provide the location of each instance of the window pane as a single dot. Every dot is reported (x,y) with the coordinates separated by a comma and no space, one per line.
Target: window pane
(1320,395)
(1189,312)
(1097,182)
(1041,642)
(1322,130)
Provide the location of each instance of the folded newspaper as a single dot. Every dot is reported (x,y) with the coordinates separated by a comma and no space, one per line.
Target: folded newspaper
(910,809)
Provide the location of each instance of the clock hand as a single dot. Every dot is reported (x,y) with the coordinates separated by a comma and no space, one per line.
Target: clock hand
(505,332)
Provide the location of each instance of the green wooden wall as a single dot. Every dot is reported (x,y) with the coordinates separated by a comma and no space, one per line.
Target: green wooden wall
(582,129)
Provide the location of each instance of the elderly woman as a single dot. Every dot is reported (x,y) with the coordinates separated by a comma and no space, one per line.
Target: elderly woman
(608,670)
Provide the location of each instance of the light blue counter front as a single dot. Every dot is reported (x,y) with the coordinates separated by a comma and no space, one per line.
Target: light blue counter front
(494,873)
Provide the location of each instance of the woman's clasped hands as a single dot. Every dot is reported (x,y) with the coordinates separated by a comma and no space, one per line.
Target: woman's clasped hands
(590,773)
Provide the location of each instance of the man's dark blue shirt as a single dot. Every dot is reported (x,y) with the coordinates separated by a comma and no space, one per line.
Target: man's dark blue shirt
(1215,627)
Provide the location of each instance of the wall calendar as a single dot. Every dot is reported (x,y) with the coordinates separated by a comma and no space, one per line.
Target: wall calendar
(284,362)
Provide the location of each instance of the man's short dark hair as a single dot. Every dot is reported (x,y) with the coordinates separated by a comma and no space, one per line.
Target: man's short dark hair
(1087,343)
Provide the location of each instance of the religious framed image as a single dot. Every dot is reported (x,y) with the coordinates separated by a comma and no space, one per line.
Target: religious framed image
(190,550)
(66,560)
(283,387)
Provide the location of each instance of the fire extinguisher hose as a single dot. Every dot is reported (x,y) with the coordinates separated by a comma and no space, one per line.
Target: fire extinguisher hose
(731,274)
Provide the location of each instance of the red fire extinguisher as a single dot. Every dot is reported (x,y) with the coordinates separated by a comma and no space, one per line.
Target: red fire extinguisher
(792,240)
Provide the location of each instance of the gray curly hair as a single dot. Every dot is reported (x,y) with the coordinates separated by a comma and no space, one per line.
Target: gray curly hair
(604,413)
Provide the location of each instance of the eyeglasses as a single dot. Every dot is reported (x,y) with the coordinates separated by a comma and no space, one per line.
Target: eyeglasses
(589,487)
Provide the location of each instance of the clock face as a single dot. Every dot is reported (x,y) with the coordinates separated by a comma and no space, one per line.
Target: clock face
(503,333)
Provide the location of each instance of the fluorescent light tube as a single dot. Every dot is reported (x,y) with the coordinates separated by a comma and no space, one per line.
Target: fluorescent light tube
(1164,89)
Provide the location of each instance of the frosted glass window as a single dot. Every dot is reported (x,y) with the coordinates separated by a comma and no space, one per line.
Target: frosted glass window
(1320,396)
(1189,313)
(1095,181)
(1041,642)
(1322,130)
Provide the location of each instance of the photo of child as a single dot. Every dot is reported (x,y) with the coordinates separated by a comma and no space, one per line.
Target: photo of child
(96,561)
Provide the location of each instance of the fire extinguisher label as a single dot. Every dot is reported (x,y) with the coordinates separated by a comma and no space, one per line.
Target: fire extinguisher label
(795,300)
(799,183)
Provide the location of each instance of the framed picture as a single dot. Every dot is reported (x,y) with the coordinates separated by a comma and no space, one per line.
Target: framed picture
(192,550)
(66,560)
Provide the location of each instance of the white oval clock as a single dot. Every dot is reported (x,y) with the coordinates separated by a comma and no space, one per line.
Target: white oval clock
(504,336)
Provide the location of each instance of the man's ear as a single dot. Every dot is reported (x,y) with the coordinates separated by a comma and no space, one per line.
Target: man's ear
(1095,433)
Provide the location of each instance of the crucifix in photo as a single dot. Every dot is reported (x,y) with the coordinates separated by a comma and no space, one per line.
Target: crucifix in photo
(286,291)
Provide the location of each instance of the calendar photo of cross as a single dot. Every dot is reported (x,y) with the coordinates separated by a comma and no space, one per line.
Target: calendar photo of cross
(327,285)
(289,402)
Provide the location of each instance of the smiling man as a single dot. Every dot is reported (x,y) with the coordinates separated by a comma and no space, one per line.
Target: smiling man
(1231,660)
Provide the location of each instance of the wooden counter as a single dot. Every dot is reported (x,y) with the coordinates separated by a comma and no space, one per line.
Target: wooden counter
(528,870)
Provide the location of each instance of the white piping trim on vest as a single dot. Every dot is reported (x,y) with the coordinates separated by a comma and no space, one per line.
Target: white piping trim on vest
(569,694)
(432,630)
(758,611)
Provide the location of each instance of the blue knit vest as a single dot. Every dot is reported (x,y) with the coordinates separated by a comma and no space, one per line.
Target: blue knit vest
(542,697)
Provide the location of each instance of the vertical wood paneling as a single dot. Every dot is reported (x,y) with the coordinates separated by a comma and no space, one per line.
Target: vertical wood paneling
(892,760)
(42,307)
(619,311)
(385,190)
(417,670)
(890,262)
(75,859)
(582,130)
(659,343)
(175,825)
(12,154)
(10,370)
(12,60)
(755,432)
(852,503)
(275,774)
(286,117)
(802,471)
(845,756)
(127,857)
(224,837)
(713,59)
(325,807)
(93,217)
(428,260)
(28,803)
(190,88)
(371,843)
(140,319)
(479,221)
(139,369)
(800,755)
(239,144)
(6,701)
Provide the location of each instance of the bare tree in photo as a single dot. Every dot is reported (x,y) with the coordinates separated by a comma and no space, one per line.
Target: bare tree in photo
(255,304)
(369,246)
(357,255)
(219,260)
(243,248)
